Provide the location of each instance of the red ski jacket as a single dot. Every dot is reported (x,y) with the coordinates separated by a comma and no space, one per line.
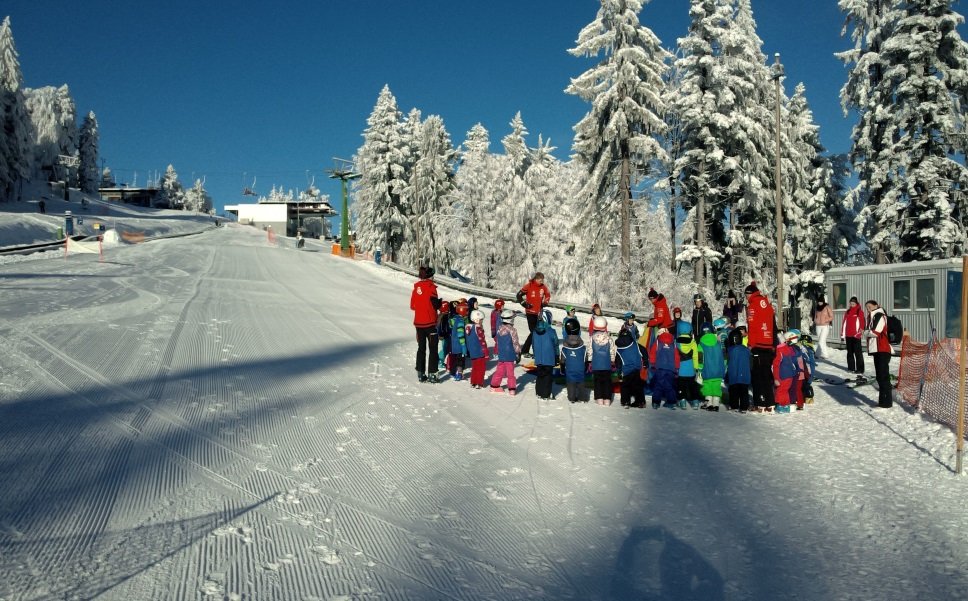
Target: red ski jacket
(536,295)
(760,318)
(661,317)
(422,304)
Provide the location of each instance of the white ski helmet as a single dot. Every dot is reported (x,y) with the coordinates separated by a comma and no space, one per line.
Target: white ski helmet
(792,336)
(507,315)
(477,316)
(599,322)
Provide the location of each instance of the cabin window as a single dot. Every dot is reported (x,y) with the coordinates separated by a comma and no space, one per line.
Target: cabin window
(840,295)
(924,299)
(902,295)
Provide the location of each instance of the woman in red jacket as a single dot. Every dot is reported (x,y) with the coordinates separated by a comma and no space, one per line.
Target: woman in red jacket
(852,330)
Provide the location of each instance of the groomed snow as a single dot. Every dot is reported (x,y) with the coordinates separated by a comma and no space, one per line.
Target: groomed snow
(214,417)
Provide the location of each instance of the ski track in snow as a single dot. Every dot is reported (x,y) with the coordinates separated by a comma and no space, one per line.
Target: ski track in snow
(215,418)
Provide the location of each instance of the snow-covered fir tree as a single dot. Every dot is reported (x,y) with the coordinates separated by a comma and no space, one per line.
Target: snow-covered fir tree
(927,79)
(171,192)
(87,152)
(475,205)
(869,23)
(197,198)
(379,214)
(723,109)
(15,143)
(517,208)
(617,141)
(699,103)
(53,124)
(429,191)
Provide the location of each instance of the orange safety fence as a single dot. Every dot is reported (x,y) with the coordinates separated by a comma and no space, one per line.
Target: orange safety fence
(133,237)
(928,378)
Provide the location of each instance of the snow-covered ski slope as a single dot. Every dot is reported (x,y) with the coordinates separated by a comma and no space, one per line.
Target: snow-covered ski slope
(214,418)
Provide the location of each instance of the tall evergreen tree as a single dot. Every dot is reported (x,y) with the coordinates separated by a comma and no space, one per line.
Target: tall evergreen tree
(927,80)
(379,216)
(54,130)
(14,121)
(869,23)
(87,150)
(172,192)
(429,190)
(475,206)
(699,108)
(617,141)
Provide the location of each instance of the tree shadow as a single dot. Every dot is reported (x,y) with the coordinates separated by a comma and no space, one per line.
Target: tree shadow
(101,561)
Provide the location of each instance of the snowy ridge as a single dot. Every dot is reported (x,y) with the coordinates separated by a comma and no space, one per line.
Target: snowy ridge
(216,417)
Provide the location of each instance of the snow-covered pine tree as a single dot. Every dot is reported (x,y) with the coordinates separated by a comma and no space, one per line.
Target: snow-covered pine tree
(15,143)
(617,141)
(430,188)
(516,209)
(475,205)
(700,109)
(378,214)
(197,198)
(927,80)
(54,131)
(747,184)
(869,23)
(172,193)
(411,133)
(87,150)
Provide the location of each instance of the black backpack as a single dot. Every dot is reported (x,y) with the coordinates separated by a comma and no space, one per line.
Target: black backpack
(895,330)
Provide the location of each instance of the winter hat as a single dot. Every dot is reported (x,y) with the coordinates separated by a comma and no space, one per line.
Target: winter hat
(751,289)
(477,316)
(472,302)
(624,339)
(628,315)
(572,326)
(677,310)
(426,273)
(569,309)
(731,294)
(653,293)
(541,327)
(697,297)
(599,322)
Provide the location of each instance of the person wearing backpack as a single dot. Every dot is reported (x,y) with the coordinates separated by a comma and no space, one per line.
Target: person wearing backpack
(786,372)
(879,347)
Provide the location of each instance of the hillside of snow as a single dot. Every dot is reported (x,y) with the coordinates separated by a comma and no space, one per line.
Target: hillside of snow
(214,417)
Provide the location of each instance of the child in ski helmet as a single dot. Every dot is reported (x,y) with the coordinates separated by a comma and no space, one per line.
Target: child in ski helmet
(508,353)
(477,349)
(603,354)
(574,361)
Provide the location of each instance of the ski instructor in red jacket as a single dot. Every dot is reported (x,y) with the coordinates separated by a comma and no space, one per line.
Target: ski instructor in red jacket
(424,302)
(534,297)
(761,324)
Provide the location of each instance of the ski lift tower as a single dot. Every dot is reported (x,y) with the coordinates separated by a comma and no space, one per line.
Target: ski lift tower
(343,171)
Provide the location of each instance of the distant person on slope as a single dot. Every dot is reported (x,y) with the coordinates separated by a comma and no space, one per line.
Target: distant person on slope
(534,297)
(424,303)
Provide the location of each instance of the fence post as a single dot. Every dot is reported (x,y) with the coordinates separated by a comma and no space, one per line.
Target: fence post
(960,446)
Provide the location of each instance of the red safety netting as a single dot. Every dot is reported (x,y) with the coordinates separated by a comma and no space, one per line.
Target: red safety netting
(928,378)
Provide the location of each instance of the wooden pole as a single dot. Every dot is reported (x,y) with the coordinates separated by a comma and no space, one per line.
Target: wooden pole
(960,445)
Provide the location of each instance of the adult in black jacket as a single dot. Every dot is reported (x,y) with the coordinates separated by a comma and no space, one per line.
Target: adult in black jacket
(701,313)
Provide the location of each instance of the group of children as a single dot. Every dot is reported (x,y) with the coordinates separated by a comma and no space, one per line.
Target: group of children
(677,367)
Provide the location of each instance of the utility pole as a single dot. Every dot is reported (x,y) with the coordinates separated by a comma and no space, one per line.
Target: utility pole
(343,172)
(777,74)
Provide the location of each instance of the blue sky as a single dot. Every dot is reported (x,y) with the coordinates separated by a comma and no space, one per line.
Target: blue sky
(274,90)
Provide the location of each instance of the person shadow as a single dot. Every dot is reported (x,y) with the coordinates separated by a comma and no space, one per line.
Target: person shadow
(654,565)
